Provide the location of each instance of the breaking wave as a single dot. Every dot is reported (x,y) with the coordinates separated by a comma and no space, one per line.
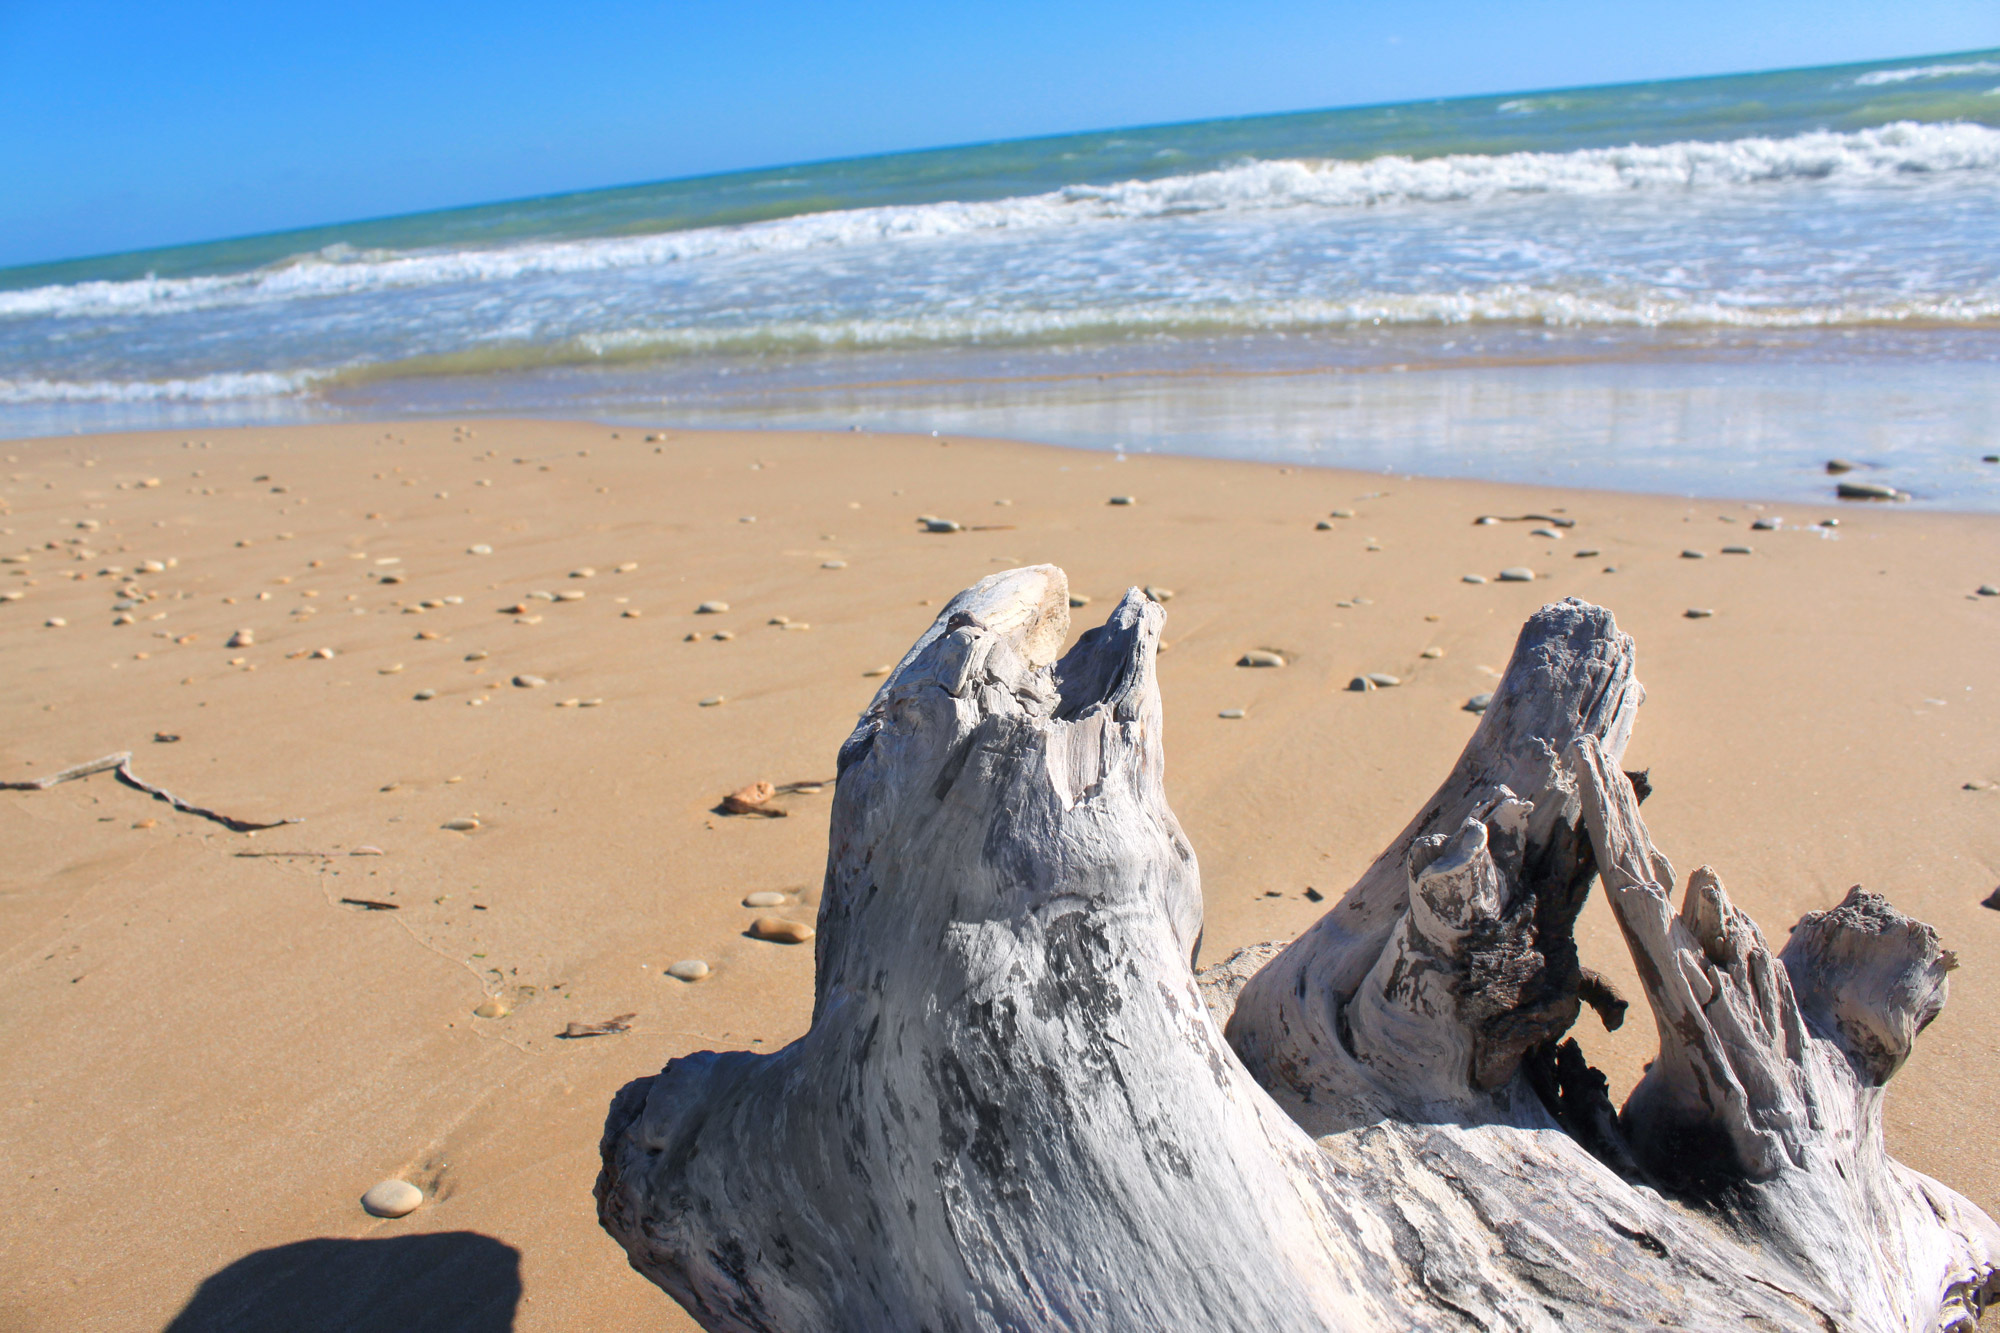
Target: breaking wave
(1887,153)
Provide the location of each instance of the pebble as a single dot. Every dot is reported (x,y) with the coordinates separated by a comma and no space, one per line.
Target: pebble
(1323,526)
(1260,657)
(530,682)
(459,825)
(55,622)
(585,573)
(1766,524)
(941,525)
(1587,553)
(393,1198)
(714,701)
(1736,550)
(1479,703)
(1433,653)
(780,931)
(571,595)
(481,549)
(1545,532)
(631,613)
(1159,594)
(1121,500)
(1694,555)
(1989,458)
(833,564)
(688,969)
(1361,684)
(1988,590)
(711,608)
(766,898)
(1343,513)
(1079,599)
(1230,713)
(723,635)
(1485,521)
(1474,578)
(1979,784)
(1517,574)
(389,670)
(494,1007)
(1698,613)
(476,655)
(1383,680)
(1868,490)
(428,634)
(1836,466)
(151,567)
(323,654)
(242,638)
(425,694)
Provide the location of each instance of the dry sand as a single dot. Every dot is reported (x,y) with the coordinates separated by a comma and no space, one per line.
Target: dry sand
(208,1056)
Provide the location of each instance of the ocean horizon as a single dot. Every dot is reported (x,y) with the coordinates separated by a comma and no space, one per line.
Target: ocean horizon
(1700,286)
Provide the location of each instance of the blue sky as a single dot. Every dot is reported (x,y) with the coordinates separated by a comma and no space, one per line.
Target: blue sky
(127,125)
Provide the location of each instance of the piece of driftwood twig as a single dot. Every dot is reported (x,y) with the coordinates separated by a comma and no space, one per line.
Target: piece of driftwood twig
(121,764)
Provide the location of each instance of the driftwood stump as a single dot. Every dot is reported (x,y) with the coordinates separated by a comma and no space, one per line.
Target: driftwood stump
(1017,1107)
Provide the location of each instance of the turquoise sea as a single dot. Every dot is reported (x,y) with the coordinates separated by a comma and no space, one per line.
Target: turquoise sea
(1699,286)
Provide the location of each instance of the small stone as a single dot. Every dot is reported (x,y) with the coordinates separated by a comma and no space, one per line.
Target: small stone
(1736,550)
(424,694)
(389,670)
(941,525)
(1159,594)
(1694,555)
(571,595)
(585,573)
(1989,458)
(55,622)
(492,1008)
(1474,578)
(1479,703)
(1343,513)
(1979,784)
(1868,490)
(1587,553)
(1231,713)
(631,613)
(428,635)
(459,825)
(151,567)
(1836,466)
(688,969)
(324,654)
(1485,521)
(1079,599)
(1550,533)
(780,931)
(481,549)
(1361,684)
(1828,523)
(1765,524)
(1988,590)
(751,800)
(242,638)
(1323,526)
(1383,680)
(1432,653)
(714,701)
(1698,613)
(393,1198)
(569,703)
(147,823)
(1260,657)
(711,608)
(476,655)
(723,635)
(1517,574)
(766,898)
(1121,500)
(530,682)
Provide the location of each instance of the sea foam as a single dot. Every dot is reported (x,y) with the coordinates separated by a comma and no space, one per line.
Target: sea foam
(1873,156)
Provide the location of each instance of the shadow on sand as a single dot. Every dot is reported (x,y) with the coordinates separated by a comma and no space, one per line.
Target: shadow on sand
(446,1282)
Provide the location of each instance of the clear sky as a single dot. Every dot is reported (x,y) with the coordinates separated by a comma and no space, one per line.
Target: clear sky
(126,125)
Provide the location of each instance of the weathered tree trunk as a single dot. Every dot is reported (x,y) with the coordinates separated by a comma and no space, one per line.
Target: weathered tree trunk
(1016,1107)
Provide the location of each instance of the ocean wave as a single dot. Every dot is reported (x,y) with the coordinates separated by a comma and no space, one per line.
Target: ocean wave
(1884,153)
(1877,77)
(202,389)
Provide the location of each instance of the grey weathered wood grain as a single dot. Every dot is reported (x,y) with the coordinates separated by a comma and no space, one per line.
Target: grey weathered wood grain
(1016,1107)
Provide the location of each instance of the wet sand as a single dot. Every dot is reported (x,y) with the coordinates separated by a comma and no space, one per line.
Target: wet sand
(211,1055)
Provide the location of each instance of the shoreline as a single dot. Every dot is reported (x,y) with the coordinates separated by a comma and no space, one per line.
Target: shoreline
(219,1051)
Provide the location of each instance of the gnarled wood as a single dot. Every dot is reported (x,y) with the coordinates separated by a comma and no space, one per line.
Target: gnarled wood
(1016,1107)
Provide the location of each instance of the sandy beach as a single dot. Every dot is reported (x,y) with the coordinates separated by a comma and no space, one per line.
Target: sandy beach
(218,1040)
